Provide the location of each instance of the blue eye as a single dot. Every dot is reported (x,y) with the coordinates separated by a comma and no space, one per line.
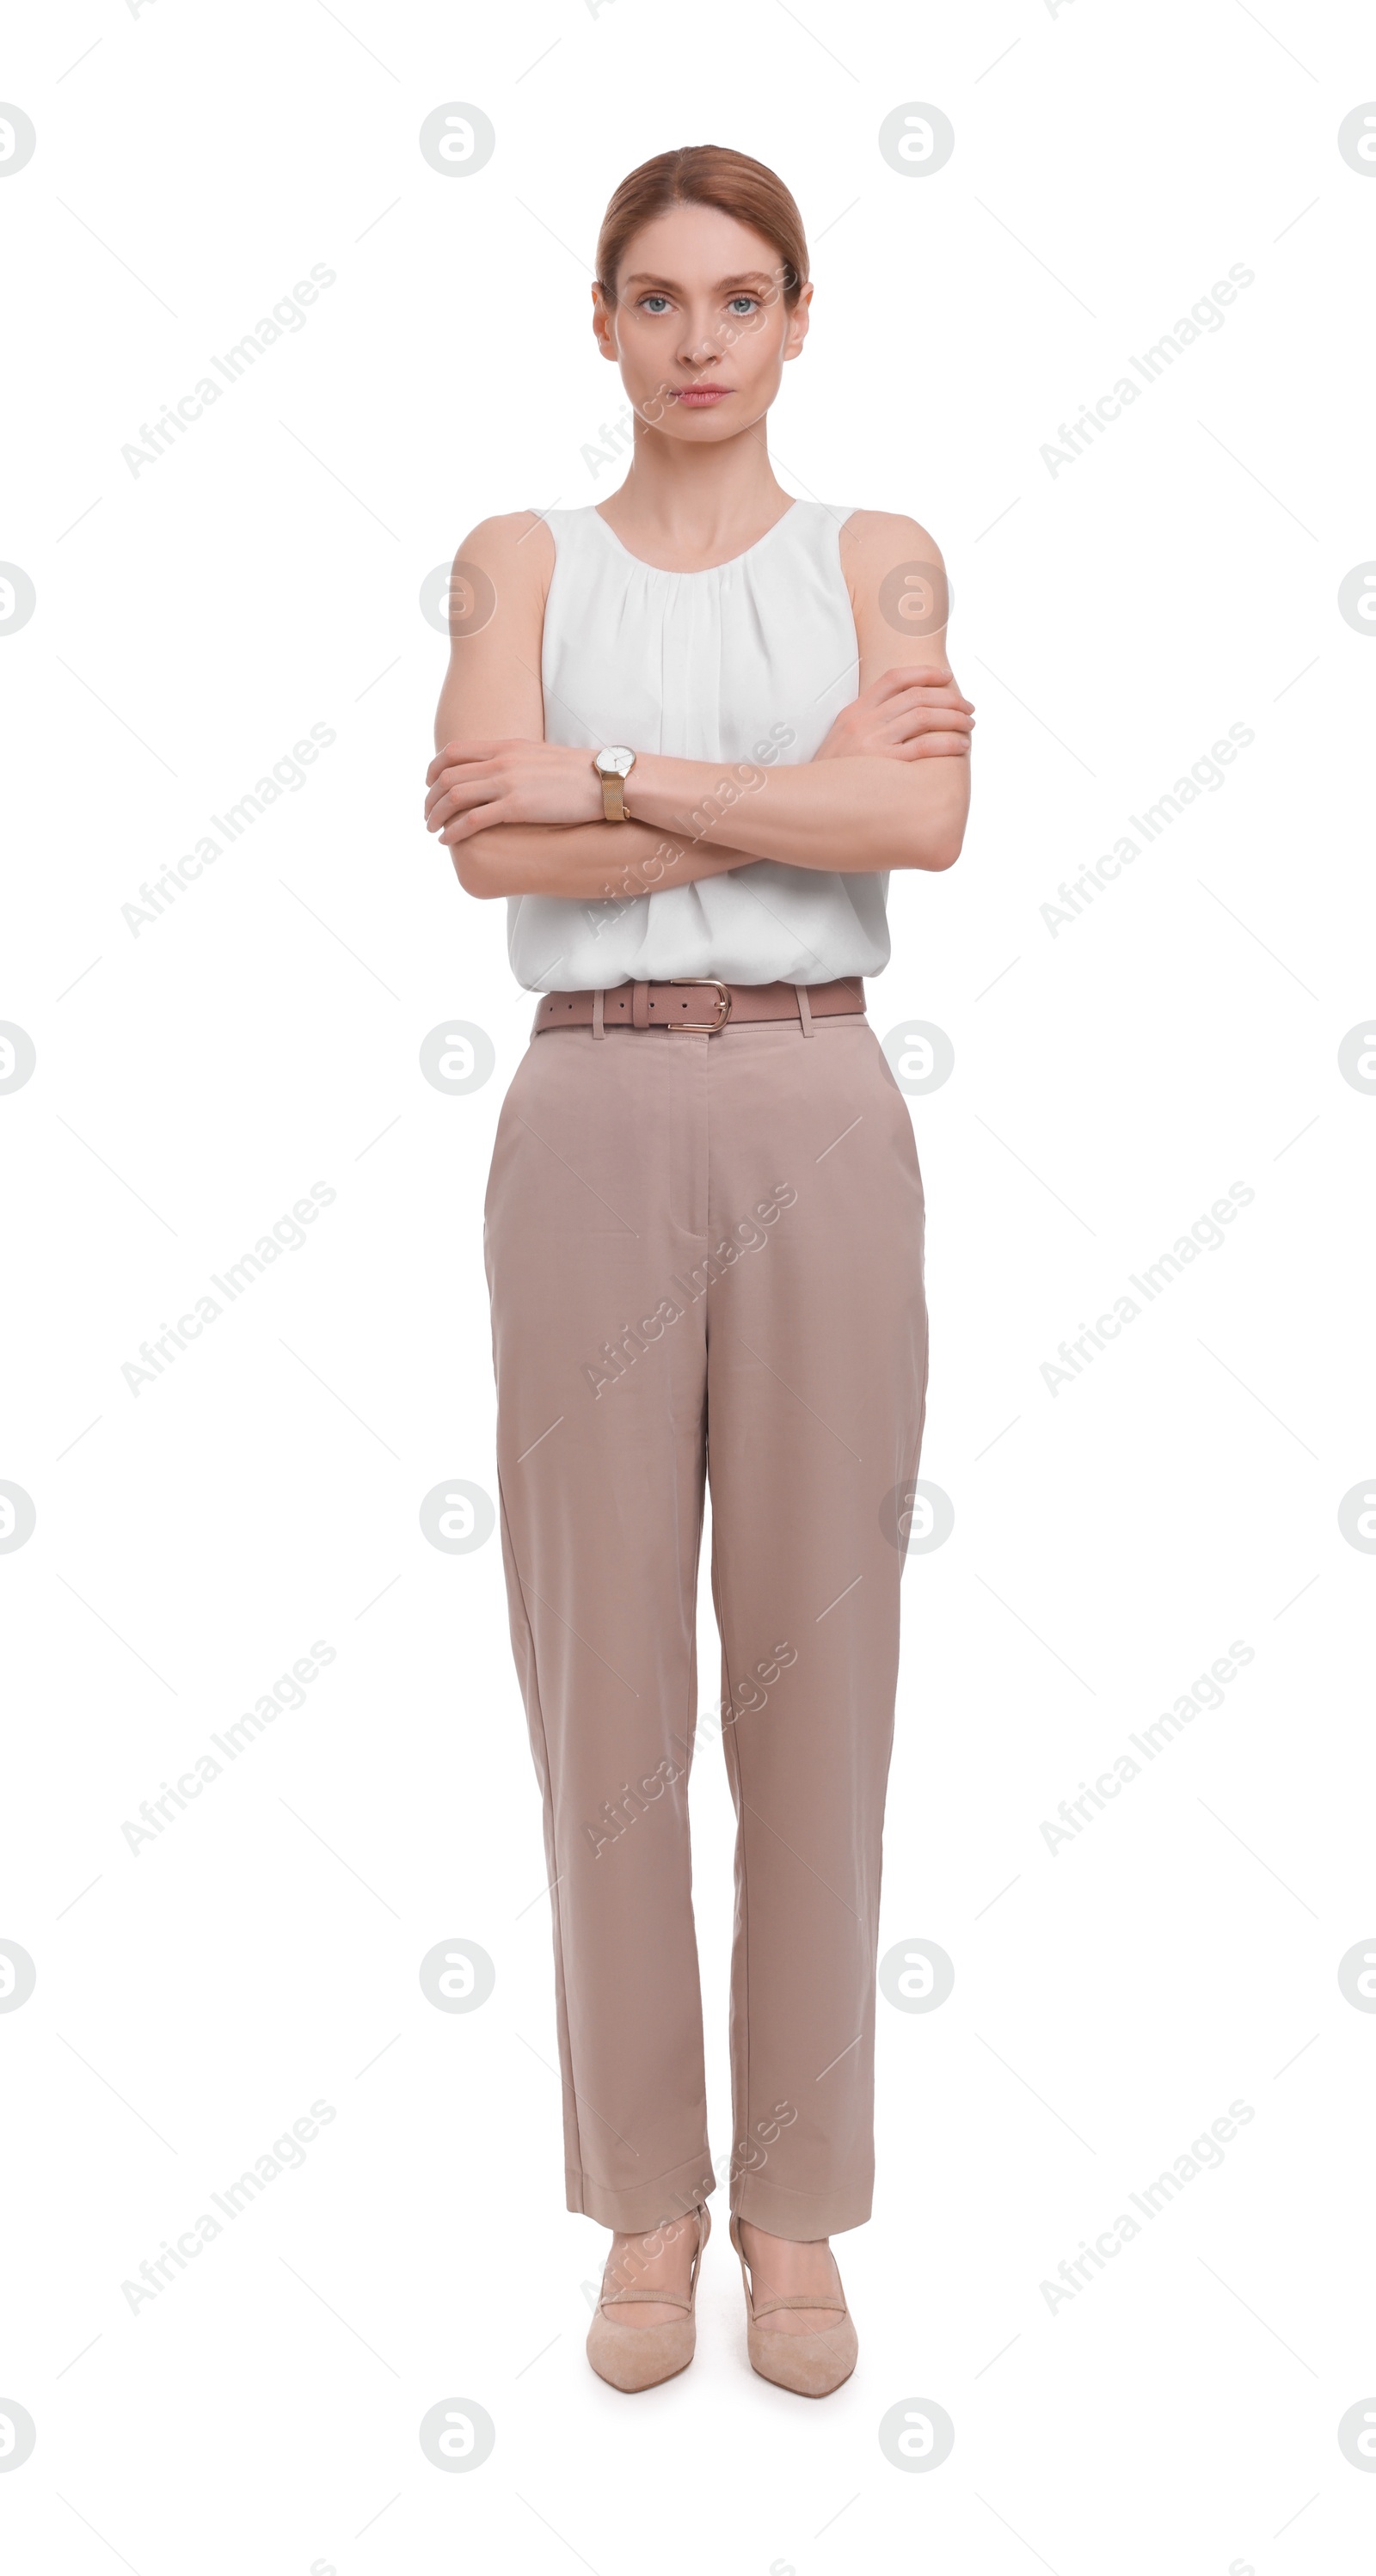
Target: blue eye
(661,300)
(749,301)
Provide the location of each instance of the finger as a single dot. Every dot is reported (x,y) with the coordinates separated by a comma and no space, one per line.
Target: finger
(456,765)
(471,778)
(455,752)
(942,703)
(931,721)
(940,692)
(936,746)
(439,806)
(452,752)
(936,675)
(938,711)
(461,797)
(443,786)
(463,827)
(908,675)
(947,693)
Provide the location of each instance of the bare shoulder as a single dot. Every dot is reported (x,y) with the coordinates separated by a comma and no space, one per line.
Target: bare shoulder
(513,548)
(497,594)
(879,539)
(899,593)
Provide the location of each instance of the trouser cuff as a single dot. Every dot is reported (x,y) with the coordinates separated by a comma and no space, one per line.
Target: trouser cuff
(801,2216)
(643,2205)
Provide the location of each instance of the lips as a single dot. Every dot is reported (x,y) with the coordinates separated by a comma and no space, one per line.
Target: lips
(700,397)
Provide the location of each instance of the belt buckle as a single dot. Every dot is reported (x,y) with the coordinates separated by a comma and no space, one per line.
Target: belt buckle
(692,1028)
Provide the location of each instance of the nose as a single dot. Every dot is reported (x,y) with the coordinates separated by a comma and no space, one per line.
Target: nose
(700,349)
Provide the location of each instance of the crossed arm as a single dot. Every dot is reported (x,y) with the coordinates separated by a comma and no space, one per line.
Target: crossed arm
(888,788)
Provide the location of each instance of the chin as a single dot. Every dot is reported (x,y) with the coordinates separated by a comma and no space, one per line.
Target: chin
(724,420)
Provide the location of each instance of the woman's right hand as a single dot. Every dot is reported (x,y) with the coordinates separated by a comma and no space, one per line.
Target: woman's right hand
(906,714)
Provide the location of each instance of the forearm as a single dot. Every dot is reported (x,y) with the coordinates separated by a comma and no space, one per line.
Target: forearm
(591,862)
(858,815)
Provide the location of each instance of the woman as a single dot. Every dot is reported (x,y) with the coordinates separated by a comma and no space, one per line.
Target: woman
(687,733)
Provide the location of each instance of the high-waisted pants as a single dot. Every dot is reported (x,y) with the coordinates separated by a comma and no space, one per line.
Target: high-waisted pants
(705,1257)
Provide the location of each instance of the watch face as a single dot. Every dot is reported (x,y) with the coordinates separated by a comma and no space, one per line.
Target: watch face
(617,759)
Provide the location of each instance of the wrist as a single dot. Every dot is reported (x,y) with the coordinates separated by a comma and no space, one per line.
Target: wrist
(674,795)
(612,766)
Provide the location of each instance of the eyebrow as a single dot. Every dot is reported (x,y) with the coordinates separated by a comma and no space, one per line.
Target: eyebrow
(750,277)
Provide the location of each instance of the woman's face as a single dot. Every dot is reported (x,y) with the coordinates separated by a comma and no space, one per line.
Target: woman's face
(700,328)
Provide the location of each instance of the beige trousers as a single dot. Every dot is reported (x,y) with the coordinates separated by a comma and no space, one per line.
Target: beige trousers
(705,1257)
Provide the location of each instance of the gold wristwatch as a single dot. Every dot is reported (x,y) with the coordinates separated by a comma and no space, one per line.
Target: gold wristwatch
(613,767)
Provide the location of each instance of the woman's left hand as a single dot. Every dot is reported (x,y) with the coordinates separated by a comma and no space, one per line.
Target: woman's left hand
(472,785)
(914,712)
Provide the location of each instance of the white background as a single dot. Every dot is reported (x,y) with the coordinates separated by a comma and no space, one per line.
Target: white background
(1111,1540)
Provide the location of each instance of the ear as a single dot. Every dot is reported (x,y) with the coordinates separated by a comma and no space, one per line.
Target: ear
(798,324)
(603,324)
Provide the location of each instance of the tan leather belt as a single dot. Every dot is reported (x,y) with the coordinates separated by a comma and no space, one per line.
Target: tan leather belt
(698,1004)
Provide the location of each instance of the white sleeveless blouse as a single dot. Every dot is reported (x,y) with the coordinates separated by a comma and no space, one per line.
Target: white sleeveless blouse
(751,660)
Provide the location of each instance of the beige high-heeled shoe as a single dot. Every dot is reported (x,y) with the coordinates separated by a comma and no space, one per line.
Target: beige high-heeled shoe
(632,2357)
(812,2365)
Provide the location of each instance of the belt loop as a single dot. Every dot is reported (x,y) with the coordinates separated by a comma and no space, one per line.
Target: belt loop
(640,1006)
(598,999)
(804,1009)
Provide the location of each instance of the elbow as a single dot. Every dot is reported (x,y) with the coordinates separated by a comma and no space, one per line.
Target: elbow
(476,870)
(936,835)
(933,847)
(943,851)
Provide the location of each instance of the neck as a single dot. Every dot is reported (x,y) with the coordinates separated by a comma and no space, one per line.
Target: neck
(710,500)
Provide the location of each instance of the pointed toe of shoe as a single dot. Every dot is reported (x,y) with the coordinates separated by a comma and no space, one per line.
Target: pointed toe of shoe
(812,2365)
(634,2357)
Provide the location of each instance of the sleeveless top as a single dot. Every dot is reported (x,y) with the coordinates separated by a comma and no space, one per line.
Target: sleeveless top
(751,660)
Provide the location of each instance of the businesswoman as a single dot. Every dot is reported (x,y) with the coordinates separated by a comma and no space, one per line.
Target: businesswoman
(687,732)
